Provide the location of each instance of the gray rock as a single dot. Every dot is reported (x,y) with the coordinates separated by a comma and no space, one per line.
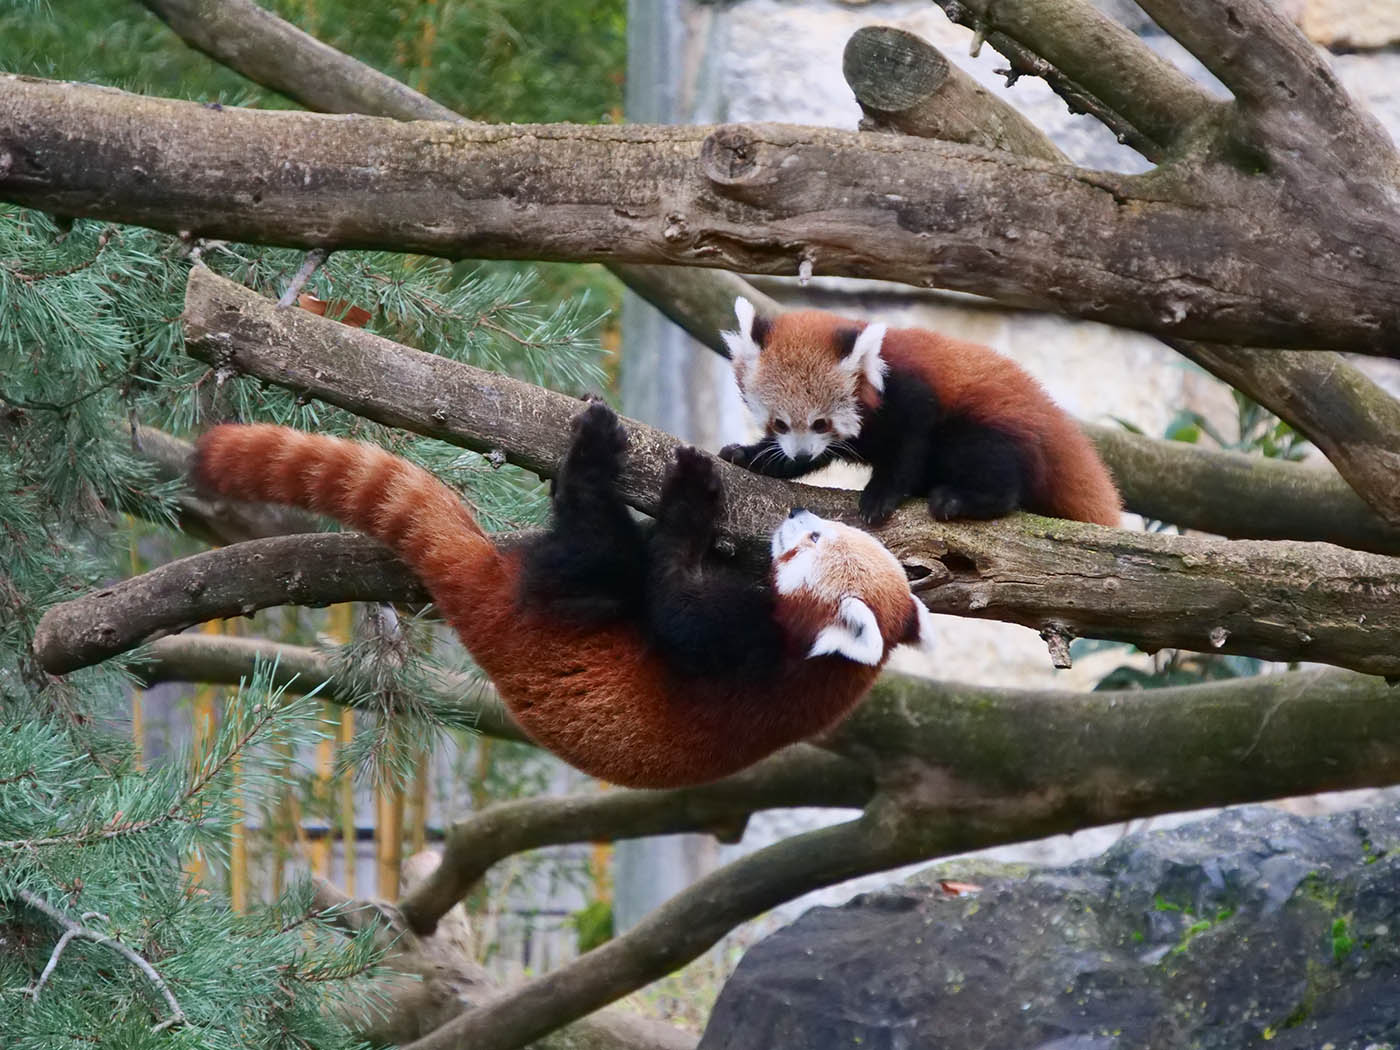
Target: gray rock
(1251,928)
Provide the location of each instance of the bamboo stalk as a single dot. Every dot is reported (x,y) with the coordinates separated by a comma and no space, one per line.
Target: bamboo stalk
(202,729)
(388,834)
(138,710)
(348,838)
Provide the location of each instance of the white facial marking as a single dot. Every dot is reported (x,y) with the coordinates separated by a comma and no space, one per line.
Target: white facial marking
(802,442)
(864,358)
(855,635)
(741,345)
(797,573)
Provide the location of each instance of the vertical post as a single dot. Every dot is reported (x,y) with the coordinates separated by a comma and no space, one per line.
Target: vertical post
(670,381)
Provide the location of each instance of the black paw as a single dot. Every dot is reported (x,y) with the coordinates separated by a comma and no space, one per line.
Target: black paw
(739,455)
(693,481)
(945,504)
(876,505)
(597,432)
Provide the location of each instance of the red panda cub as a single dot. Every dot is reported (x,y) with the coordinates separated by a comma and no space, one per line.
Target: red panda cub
(951,421)
(630,652)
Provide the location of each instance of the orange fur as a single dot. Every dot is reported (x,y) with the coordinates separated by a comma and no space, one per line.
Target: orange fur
(596,697)
(1069,480)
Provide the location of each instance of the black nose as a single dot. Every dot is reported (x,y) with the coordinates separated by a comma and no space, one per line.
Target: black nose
(796,511)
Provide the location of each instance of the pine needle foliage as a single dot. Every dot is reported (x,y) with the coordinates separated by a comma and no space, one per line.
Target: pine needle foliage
(89,345)
(99,847)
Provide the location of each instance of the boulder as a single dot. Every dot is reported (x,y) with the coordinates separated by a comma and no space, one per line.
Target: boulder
(1250,928)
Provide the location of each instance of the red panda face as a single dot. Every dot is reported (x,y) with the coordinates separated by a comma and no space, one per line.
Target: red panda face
(801,374)
(857,584)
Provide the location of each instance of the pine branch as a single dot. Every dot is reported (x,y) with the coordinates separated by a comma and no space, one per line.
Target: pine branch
(73,929)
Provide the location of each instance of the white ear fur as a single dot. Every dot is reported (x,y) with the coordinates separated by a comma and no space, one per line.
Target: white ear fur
(741,344)
(924,644)
(855,635)
(864,358)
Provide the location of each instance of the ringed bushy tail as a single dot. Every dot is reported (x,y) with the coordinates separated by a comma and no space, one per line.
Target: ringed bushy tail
(403,506)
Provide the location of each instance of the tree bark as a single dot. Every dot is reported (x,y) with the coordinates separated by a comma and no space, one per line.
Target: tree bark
(1214,256)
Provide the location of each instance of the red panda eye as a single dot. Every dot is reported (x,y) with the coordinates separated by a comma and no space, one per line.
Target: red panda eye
(820,426)
(780,426)
(814,536)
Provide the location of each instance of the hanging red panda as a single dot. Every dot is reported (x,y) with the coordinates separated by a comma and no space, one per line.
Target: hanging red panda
(948,420)
(623,649)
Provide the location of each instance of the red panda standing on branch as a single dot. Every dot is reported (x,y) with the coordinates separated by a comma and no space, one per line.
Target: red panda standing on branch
(624,650)
(948,420)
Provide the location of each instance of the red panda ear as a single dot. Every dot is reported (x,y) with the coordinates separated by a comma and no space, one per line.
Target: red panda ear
(864,358)
(744,344)
(918,629)
(855,635)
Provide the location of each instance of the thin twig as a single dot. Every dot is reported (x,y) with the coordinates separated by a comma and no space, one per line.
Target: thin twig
(73,929)
(314,260)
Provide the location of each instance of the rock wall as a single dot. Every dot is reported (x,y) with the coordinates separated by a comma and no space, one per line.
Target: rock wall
(1255,928)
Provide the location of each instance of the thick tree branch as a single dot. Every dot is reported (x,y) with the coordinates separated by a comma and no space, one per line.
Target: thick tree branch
(976,766)
(1279,601)
(242,36)
(797,776)
(1238,495)
(1095,64)
(1277,76)
(758,198)
(232,581)
(673,934)
(427,980)
(1350,418)
(1341,410)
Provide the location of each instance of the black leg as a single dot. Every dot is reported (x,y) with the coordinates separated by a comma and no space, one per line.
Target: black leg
(977,472)
(692,499)
(704,618)
(591,564)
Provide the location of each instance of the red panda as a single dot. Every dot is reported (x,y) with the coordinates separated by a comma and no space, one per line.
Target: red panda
(948,420)
(623,650)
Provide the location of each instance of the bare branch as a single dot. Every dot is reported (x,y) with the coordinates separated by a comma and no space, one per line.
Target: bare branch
(1273,71)
(232,581)
(270,51)
(1094,63)
(226,660)
(240,34)
(74,929)
(796,776)
(757,198)
(905,84)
